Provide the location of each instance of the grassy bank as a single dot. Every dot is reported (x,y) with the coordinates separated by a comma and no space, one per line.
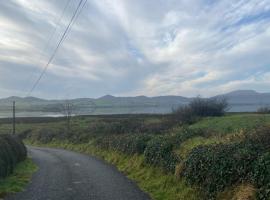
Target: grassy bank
(18,180)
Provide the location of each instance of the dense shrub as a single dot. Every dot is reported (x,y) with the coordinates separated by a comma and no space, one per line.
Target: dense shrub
(261,137)
(159,152)
(208,107)
(200,107)
(264,110)
(218,166)
(24,134)
(213,168)
(185,133)
(130,144)
(119,126)
(77,136)
(184,114)
(261,176)
(46,135)
(12,151)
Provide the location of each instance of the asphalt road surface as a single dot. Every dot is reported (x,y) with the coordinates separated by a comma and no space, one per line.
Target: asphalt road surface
(65,175)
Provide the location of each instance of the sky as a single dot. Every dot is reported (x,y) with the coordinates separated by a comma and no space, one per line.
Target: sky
(131,48)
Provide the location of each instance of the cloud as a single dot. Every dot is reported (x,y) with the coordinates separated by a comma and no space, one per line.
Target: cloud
(120,47)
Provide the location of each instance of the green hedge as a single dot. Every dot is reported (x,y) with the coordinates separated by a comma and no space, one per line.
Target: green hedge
(215,167)
(159,152)
(130,144)
(261,176)
(185,133)
(12,151)
(157,149)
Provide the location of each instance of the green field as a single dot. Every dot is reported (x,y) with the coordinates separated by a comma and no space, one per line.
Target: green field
(214,158)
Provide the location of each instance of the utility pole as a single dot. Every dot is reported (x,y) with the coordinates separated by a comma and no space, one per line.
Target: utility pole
(14,119)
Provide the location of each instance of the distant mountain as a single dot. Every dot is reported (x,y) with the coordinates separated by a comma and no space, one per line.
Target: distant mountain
(107,97)
(247,97)
(242,93)
(246,100)
(239,101)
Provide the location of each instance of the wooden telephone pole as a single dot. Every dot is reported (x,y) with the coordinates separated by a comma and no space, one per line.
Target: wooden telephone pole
(14,119)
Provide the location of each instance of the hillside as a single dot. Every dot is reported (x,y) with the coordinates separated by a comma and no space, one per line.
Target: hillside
(239,101)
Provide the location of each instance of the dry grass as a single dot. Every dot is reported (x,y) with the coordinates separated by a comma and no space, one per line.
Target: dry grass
(243,191)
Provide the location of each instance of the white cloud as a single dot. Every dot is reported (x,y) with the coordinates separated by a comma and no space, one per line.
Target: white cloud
(159,47)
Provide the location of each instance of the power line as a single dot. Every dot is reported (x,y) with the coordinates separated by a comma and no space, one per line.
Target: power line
(81,9)
(52,33)
(57,47)
(79,13)
(55,50)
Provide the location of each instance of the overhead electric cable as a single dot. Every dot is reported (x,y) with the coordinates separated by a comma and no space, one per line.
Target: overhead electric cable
(57,47)
(82,7)
(52,34)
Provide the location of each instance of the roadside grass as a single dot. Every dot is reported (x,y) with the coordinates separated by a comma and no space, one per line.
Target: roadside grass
(17,181)
(244,191)
(154,181)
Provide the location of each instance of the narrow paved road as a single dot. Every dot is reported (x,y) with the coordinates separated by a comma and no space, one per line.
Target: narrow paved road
(65,175)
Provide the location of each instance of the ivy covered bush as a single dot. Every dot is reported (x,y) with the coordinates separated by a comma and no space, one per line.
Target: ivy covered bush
(12,151)
(186,133)
(159,152)
(215,167)
(261,176)
(128,143)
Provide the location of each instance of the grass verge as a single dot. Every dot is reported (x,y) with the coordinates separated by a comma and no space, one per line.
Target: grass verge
(17,181)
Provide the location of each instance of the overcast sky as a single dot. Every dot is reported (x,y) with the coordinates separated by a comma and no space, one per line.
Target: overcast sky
(135,47)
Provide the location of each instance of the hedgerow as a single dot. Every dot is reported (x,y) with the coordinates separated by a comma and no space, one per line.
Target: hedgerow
(159,152)
(185,133)
(12,151)
(261,176)
(127,126)
(130,144)
(215,167)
